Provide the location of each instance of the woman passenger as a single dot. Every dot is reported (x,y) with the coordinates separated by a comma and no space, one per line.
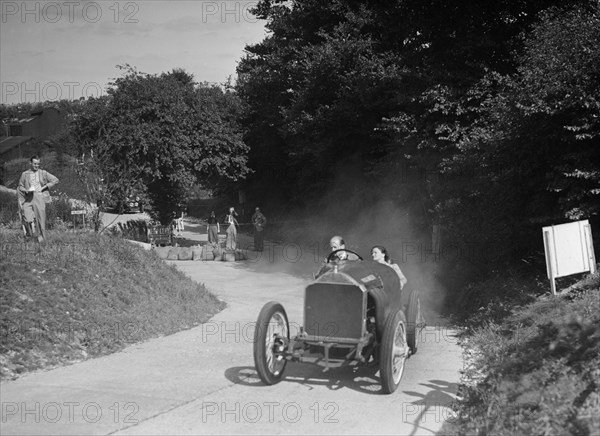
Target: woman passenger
(380,254)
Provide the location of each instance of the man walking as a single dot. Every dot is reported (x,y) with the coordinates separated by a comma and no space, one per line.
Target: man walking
(33,192)
(259,221)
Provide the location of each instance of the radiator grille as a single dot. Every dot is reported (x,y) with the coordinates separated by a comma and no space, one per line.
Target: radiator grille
(334,311)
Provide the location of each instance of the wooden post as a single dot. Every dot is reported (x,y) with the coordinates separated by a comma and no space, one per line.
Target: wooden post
(589,242)
(549,257)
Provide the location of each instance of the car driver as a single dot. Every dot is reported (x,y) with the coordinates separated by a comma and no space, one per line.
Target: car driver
(337,243)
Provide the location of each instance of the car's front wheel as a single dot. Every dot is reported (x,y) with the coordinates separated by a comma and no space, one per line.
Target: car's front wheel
(271,337)
(394,352)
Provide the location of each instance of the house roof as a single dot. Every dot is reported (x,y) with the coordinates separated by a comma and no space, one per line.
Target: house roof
(16,122)
(32,116)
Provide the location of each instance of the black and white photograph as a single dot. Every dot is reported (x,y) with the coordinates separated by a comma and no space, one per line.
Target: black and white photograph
(302,217)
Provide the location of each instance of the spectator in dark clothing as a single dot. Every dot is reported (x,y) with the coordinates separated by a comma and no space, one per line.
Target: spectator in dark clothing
(259,221)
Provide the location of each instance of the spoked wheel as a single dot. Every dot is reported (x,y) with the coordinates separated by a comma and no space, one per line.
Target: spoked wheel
(394,352)
(413,311)
(271,338)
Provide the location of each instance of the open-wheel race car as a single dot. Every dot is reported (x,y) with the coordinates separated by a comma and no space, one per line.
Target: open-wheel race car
(354,311)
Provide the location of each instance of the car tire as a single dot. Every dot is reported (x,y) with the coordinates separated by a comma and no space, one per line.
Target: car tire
(393,352)
(412,313)
(271,337)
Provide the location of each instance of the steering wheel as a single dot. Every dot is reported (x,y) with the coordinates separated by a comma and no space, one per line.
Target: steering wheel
(332,255)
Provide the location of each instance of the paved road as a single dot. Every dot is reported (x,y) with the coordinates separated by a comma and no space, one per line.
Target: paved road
(202,381)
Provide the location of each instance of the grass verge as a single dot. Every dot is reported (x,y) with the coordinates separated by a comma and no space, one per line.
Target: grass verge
(83,295)
(536,370)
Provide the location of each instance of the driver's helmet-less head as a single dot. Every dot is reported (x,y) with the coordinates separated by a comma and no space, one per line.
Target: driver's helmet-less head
(337,243)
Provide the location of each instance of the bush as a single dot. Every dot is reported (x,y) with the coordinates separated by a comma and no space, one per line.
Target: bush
(58,212)
(493,299)
(9,210)
(536,371)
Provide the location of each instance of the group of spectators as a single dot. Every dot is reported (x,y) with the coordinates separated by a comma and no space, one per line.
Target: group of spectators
(213,228)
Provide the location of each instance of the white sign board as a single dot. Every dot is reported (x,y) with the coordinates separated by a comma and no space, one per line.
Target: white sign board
(569,250)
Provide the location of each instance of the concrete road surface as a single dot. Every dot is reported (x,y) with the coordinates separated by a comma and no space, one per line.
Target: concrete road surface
(202,381)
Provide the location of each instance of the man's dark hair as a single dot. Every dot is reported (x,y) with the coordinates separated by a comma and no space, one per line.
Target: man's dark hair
(35,156)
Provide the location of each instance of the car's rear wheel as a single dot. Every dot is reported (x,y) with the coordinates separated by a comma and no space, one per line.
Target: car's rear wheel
(394,351)
(412,313)
(271,337)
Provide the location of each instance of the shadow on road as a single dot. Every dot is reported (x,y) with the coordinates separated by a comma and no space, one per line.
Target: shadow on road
(358,378)
(435,405)
(441,393)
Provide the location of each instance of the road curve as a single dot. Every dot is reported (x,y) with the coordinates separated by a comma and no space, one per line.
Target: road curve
(202,381)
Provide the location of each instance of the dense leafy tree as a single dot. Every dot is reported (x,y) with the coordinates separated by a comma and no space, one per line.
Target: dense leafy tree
(332,76)
(160,135)
(489,110)
(527,153)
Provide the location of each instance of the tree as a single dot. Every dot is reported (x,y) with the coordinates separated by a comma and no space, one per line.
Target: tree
(526,152)
(483,105)
(159,135)
(332,80)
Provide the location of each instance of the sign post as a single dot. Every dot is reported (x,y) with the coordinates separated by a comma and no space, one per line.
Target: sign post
(569,250)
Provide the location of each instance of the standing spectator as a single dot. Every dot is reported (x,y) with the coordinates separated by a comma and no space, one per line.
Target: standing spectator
(213,229)
(180,225)
(33,192)
(259,221)
(175,224)
(231,232)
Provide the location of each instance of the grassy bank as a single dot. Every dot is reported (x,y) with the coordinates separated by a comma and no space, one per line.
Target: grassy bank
(534,370)
(82,295)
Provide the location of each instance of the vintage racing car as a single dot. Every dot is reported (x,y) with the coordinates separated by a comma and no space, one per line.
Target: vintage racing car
(353,311)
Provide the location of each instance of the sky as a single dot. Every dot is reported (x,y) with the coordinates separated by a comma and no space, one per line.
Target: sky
(53,50)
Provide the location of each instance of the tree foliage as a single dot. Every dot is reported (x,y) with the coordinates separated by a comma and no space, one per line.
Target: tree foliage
(319,87)
(527,148)
(494,106)
(159,135)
